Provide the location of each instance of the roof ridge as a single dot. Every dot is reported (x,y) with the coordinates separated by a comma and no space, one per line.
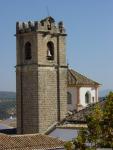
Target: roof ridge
(70,70)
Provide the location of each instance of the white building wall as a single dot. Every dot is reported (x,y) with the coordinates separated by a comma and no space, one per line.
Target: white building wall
(73,91)
(83,91)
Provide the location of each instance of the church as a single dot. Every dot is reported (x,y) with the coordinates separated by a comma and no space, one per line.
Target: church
(46,89)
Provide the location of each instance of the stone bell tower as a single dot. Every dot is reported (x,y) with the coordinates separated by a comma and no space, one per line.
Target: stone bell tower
(41,75)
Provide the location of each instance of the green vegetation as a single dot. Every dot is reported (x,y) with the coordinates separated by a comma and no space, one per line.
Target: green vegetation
(100,128)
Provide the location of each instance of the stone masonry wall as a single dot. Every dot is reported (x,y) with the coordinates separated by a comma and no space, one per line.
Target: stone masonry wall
(27,101)
(47,96)
(63,92)
(37,78)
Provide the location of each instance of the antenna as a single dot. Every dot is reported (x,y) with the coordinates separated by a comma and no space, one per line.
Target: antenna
(47,11)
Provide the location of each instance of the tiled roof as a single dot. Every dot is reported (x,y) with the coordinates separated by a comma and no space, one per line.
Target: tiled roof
(79,117)
(75,78)
(29,142)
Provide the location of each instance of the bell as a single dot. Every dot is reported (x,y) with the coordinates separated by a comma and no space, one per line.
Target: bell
(49,54)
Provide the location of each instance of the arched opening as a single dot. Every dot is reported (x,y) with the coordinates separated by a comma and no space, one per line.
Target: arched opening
(50,51)
(28,55)
(69,98)
(87,97)
(93,99)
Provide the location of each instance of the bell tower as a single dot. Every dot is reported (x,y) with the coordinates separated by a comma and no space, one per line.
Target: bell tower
(41,75)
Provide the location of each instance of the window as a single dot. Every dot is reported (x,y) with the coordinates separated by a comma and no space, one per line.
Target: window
(87,97)
(28,51)
(50,51)
(93,99)
(69,98)
(42,23)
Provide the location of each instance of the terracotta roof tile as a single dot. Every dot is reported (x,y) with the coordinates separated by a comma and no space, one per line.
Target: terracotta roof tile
(29,142)
(75,78)
(80,115)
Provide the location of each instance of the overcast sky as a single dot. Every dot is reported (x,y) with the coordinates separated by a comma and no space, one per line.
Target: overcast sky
(89,25)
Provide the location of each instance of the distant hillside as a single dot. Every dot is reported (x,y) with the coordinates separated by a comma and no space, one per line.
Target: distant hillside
(7,104)
(7,109)
(7,95)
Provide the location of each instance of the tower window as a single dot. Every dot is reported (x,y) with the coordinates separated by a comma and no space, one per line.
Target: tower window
(50,51)
(28,51)
(87,97)
(69,98)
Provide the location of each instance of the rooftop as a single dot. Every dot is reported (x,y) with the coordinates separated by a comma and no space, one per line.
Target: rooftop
(79,117)
(29,142)
(46,25)
(75,78)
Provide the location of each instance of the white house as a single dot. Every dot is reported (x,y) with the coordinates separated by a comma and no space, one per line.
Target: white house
(81,91)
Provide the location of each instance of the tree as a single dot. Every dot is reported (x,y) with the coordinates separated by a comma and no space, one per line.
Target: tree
(99,131)
(69,145)
(81,139)
(94,131)
(107,122)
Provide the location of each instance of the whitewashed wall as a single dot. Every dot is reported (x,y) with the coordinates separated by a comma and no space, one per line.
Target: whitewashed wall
(82,92)
(73,91)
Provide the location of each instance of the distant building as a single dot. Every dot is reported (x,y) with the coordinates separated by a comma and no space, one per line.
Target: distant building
(82,91)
